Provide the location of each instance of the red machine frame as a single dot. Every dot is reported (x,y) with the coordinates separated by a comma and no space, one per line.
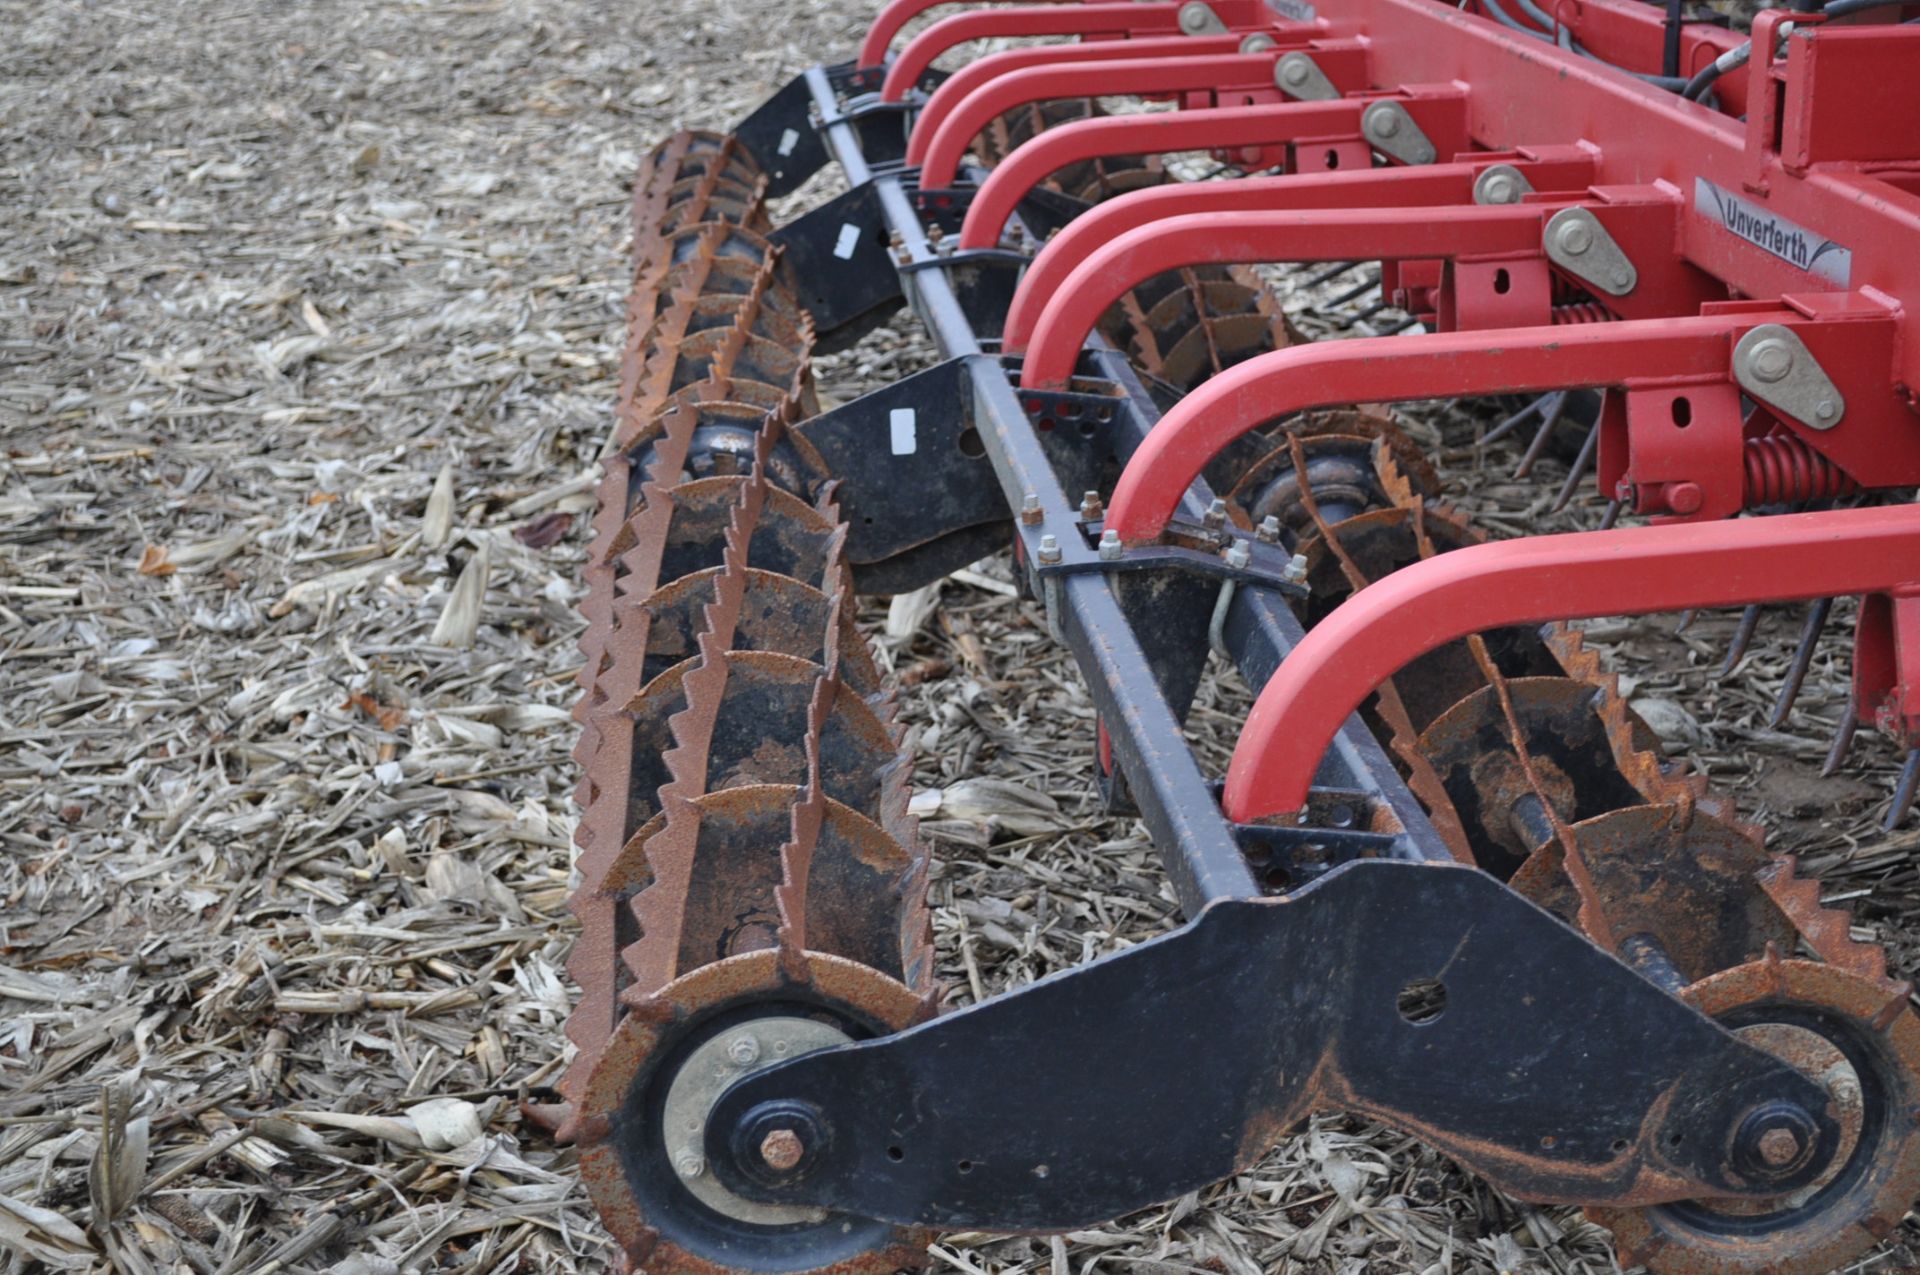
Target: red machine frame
(1750,246)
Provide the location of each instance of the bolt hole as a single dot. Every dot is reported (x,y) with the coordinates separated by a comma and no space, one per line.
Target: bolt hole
(1277,877)
(1333,159)
(1258,855)
(966,1166)
(1087,429)
(971,444)
(896,1154)
(1502,282)
(1046,424)
(1620,1144)
(1548,1142)
(868,520)
(1422,1001)
(1682,411)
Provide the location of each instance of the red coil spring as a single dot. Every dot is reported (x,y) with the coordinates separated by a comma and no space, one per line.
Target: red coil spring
(1582,312)
(1783,468)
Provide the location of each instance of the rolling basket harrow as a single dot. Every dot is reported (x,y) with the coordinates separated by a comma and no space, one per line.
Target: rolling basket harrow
(1448,880)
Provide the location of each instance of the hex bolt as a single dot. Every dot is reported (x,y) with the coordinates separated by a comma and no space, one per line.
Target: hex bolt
(1501,189)
(1383,122)
(1111,550)
(1030,513)
(690,1165)
(1293,71)
(1049,549)
(1193,17)
(1238,555)
(1256,43)
(1825,409)
(782,1149)
(744,1050)
(1269,531)
(1216,513)
(1621,279)
(1090,506)
(1779,1147)
(1295,571)
(1770,360)
(1574,237)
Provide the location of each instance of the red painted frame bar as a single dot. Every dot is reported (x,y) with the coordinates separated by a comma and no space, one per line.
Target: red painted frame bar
(1631,571)
(1301,235)
(975,75)
(953,130)
(1399,368)
(1217,128)
(889,21)
(1553,169)
(1128,19)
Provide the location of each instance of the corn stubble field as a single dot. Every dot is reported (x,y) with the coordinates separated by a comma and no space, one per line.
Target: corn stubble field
(309,332)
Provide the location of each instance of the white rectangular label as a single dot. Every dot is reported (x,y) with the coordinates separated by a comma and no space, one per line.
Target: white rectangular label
(788,140)
(1770,232)
(849,237)
(904,442)
(1294,10)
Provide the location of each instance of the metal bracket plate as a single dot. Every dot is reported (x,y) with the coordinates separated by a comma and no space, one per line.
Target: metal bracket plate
(1392,132)
(1297,75)
(1578,243)
(1500,184)
(1774,365)
(841,267)
(1198,18)
(1300,1006)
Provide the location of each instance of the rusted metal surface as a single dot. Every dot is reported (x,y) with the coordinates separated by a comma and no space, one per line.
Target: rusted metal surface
(1860,1040)
(1544,775)
(1184,327)
(743,790)
(635,1196)
(1668,873)
(1523,749)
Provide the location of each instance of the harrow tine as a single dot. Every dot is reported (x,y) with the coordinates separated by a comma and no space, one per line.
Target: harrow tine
(1903,792)
(1842,739)
(1685,621)
(1802,661)
(1328,275)
(1742,638)
(1545,403)
(1578,471)
(1359,290)
(1548,420)
(1611,516)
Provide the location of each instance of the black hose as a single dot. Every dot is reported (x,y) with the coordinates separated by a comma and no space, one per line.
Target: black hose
(1670,51)
(1731,60)
(1672,83)
(1507,20)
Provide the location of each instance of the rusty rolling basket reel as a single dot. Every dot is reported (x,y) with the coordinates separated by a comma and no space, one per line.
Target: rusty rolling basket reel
(1448,880)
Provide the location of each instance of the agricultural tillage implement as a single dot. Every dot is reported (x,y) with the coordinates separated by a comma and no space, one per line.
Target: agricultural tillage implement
(1449,880)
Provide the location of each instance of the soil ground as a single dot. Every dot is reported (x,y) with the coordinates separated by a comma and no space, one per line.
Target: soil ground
(286,819)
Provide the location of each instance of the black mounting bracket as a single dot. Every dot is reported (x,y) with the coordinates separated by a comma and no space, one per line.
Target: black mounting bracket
(915,484)
(838,262)
(1486,1026)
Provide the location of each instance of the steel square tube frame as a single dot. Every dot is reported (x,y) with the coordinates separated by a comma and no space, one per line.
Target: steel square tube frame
(1178,803)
